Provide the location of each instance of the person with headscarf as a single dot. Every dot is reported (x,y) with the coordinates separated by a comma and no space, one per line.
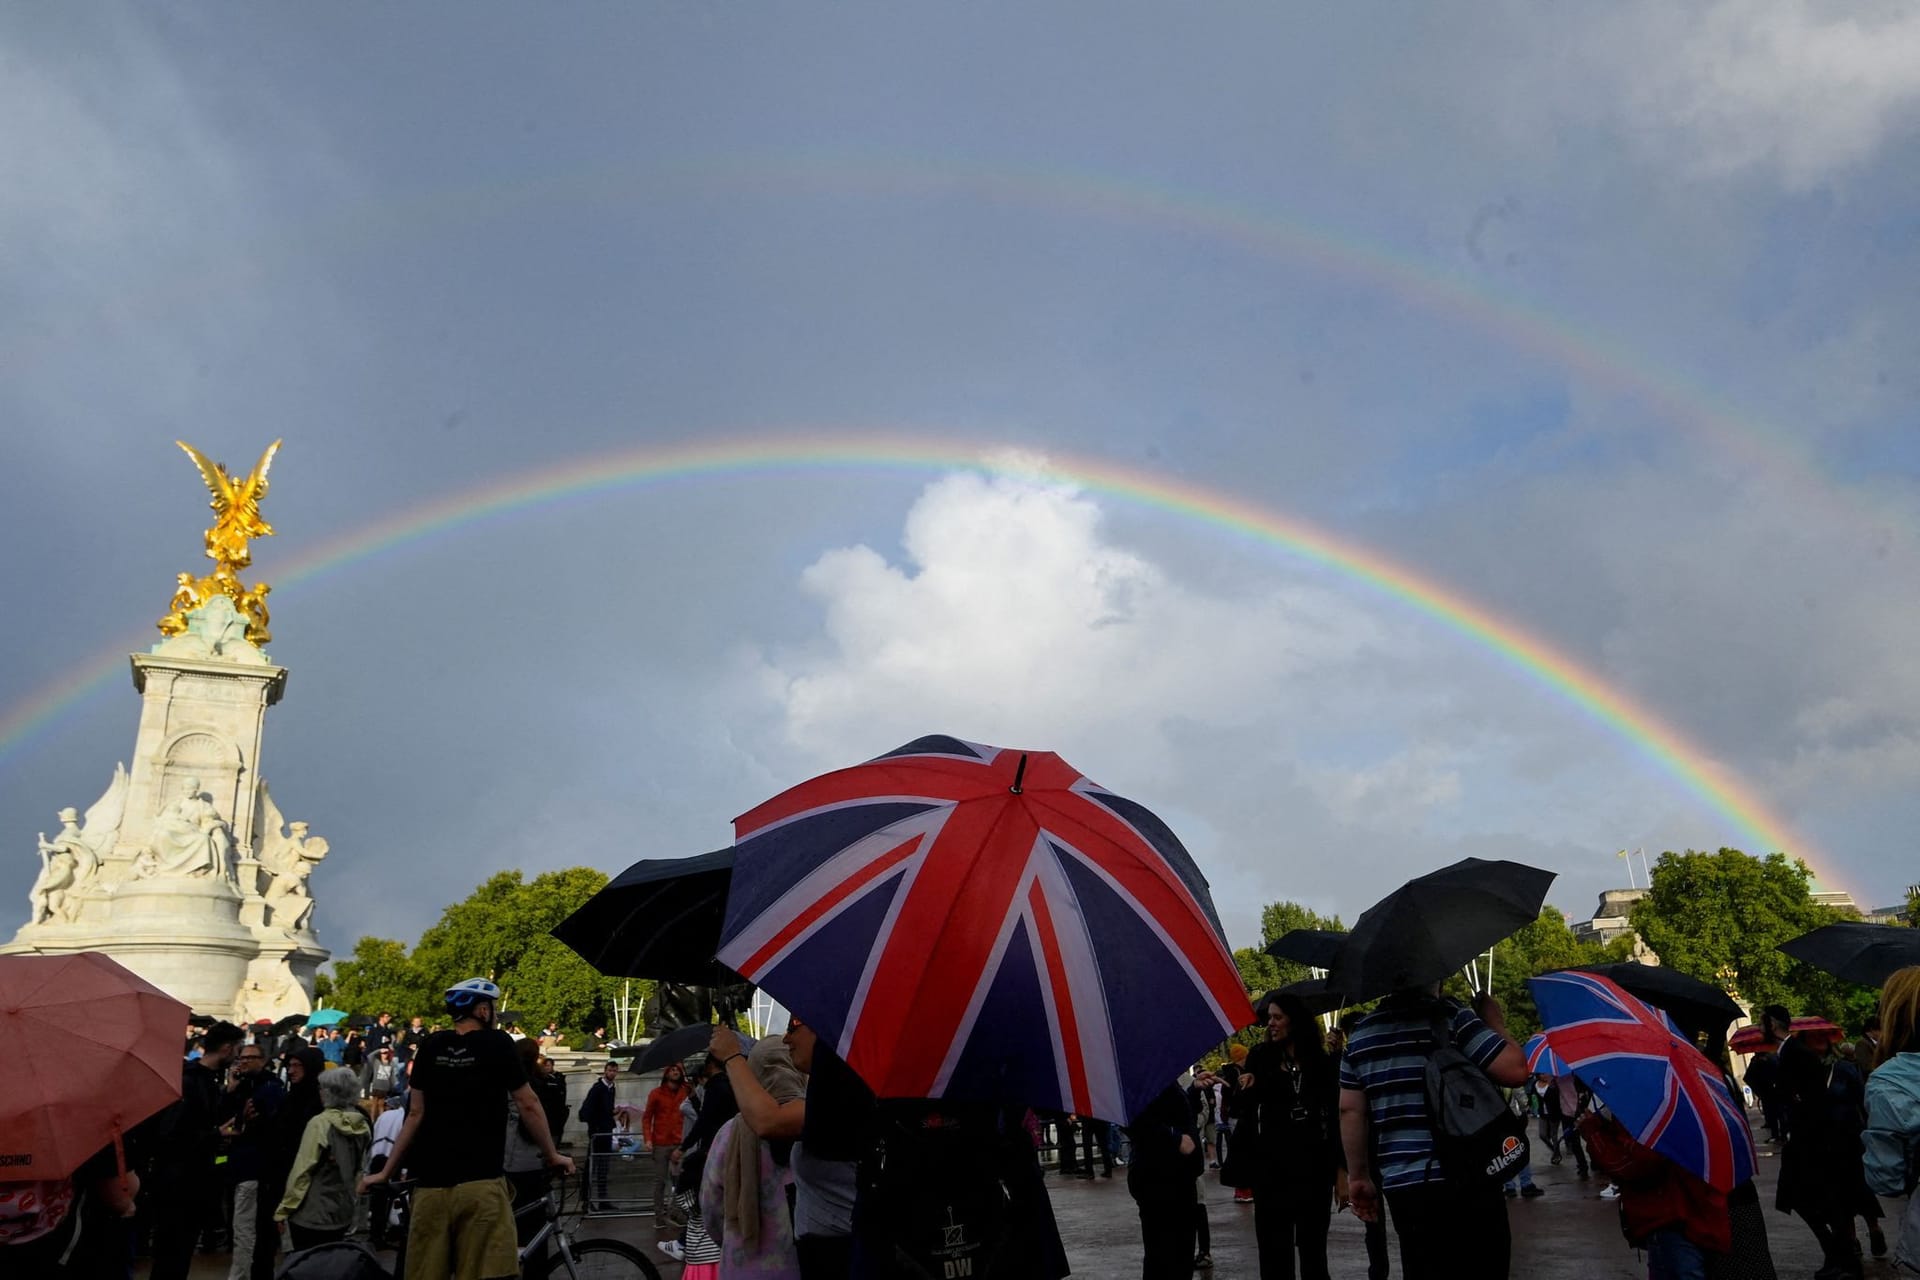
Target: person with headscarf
(743,1188)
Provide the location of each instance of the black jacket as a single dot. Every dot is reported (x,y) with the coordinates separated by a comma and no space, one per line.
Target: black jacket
(596,1109)
(1157,1171)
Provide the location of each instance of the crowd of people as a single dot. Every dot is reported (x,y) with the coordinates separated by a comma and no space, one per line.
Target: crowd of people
(286,1140)
(773,1159)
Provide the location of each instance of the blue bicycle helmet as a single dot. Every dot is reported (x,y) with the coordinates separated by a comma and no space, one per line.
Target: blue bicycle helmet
(462,996)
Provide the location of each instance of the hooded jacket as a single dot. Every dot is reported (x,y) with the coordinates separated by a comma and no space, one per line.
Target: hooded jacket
(322,1188)
(1654,1191)
(1893,1126)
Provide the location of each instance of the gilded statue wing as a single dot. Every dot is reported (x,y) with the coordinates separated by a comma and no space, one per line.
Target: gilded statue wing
(215,476)
(255,487)
(101,826)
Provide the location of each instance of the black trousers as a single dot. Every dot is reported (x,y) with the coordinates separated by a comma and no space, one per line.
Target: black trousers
(266,1232)
(1432,1220)
(1378,1267)
(824,1257)
(1288,1218)
(1166,1238)
(1092,1133)
(181,1205)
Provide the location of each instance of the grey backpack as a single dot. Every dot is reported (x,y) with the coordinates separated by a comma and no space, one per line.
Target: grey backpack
(1476,1137)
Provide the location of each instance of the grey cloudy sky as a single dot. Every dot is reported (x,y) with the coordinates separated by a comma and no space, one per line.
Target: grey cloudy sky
(1601,317)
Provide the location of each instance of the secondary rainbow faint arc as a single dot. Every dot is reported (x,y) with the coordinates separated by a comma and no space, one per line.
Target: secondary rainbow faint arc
(1666,747)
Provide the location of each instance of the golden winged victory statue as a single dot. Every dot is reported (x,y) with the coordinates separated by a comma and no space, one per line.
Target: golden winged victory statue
(236,521)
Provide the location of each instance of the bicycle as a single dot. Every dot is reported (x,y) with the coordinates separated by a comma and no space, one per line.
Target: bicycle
(598,1258)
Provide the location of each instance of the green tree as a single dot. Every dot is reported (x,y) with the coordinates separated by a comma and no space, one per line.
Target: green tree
(499,931)
(1721,917)
(1913,906)
(382,978)
(1259,972)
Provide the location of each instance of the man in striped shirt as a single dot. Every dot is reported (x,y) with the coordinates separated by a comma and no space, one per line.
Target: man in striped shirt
(1445,1229)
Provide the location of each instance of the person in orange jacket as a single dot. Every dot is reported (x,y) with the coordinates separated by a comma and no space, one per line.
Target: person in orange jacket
(1677,1218)
(661,1126)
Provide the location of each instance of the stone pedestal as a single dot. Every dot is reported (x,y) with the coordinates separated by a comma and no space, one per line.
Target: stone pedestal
(171,868)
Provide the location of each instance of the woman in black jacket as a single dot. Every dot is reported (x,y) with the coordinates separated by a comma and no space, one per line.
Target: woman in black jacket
(1166,1161)
(1291,1091)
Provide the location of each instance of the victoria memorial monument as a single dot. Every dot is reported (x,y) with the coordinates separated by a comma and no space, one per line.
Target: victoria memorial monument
(185,869)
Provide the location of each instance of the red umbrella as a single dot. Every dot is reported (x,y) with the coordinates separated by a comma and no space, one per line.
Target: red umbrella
(90,1051)
(962,921)
(1754,1039)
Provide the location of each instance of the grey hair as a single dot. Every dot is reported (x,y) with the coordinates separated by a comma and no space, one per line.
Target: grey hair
(339,1087)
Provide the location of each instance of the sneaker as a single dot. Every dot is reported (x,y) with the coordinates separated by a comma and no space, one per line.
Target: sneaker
(1203,1262)
(1556,1158)
(671,1248)
(1610,1192)
(1532,1192)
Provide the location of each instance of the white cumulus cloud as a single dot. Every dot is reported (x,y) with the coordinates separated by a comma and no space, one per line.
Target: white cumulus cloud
(1014,619)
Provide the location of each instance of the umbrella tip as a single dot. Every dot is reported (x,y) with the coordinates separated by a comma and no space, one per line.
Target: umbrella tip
(1019,773)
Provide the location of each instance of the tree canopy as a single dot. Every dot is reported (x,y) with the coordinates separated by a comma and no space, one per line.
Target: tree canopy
(499,931)
(1722,916)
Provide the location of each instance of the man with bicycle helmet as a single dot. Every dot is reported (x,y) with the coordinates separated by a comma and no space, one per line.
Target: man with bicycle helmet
(454,1144)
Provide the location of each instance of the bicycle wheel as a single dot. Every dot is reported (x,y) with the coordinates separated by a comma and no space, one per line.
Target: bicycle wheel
(601,1260)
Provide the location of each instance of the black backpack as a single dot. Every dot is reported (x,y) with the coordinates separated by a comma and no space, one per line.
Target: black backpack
(1477,1138)
(935,1196)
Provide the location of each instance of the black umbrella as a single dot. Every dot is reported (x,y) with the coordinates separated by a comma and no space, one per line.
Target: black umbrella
(1696,1007)
(676,1045)
(288,1023)
(1315,948)
(1431,926)
(660,918)
(1311,992)
(1855,951)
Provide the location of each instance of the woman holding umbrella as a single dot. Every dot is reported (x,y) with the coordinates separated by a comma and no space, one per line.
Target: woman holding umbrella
(1291,1103)
(1822,1176)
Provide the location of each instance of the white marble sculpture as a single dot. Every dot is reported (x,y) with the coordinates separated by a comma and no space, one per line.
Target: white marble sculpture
(188,838)
(71,860)
(288,856)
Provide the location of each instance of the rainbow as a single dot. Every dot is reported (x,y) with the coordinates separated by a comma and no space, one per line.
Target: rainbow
(1662,745)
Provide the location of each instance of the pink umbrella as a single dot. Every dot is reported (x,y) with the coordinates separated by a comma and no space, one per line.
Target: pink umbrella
(91,1050)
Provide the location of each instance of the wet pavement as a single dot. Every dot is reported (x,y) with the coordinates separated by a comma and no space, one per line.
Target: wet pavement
(1567,1234)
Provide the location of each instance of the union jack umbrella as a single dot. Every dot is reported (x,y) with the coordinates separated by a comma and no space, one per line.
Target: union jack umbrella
(1541,1059)
(1661,1088)
(970,922)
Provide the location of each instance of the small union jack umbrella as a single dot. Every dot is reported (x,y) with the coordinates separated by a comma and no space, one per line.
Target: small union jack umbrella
(1541,1059)
(969,922)
(1661,1088)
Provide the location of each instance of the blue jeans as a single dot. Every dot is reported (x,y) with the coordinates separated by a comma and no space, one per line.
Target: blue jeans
(1524,1178)
(1671,1256)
